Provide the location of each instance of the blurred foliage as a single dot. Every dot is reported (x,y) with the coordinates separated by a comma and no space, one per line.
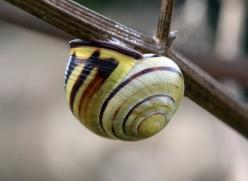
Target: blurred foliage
(180,2)
(95,3)
(245,40)
(99,4)
(213,11)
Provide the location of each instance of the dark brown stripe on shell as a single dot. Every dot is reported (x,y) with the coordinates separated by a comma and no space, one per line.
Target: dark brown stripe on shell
(114,133)
(91,89)
(70,67)
(82,77)
(127,81)
(104,68)
(104,44)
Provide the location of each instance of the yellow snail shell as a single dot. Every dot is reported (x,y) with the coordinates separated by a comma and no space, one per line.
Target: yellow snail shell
(119,93)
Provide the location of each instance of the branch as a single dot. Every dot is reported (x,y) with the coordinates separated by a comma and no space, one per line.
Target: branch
(211,95)
(162,35)
(86,24)
(221,68)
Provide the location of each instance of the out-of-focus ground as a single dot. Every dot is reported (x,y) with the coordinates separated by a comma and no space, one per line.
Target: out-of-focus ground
(41,140)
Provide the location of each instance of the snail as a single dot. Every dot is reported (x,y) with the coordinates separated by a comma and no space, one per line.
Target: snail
(119,93)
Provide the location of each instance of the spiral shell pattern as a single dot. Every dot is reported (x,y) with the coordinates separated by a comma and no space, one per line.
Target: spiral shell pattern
(119,93)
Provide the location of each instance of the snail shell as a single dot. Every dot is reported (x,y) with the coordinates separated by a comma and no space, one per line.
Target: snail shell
(119,93)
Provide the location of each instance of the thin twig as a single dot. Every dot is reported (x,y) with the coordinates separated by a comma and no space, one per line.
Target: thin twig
(86,24)
(162,35)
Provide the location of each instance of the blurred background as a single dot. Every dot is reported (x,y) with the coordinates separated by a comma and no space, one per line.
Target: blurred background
(41,140)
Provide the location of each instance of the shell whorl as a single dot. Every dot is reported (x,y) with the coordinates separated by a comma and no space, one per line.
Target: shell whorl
(119,93)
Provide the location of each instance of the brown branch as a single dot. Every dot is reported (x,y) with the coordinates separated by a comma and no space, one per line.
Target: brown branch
(162,35)
(208,93)
(221,68)
(86,24)
(82,22)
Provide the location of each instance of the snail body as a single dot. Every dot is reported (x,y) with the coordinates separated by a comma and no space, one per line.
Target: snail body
(119,93)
